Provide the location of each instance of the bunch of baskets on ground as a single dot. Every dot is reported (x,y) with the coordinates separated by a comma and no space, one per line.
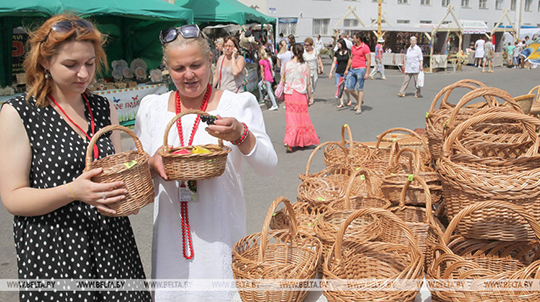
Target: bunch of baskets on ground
(455,203)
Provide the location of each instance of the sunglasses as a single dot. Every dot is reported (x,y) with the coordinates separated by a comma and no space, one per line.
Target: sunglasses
(189,31)
(66,26)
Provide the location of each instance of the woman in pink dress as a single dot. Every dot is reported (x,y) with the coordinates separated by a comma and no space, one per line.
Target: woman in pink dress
(299,131)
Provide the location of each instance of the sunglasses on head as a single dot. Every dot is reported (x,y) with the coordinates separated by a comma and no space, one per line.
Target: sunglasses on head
(66,26)
(189,31)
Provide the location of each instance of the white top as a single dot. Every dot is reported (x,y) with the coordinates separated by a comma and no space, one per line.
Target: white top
(312,60)
(319,44)
(218,218)
(284,58)
(479,45)
(413,56)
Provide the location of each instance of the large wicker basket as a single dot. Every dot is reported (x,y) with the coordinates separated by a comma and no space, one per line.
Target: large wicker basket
(131,167)
(468,179)
(351,260)
(279,254)
(463,261)
(193,166)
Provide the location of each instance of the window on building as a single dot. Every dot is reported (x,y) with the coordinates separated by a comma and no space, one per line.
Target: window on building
(445,3)
(528,5)
(320,27)
(425,2)
(403,21)
(499,4)
(482,4)
(287,26)
(425,22)
(465,3)
(402,1)
(350,23)
(513,5)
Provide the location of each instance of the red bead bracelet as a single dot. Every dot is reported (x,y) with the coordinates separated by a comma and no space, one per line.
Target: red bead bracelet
(244,136)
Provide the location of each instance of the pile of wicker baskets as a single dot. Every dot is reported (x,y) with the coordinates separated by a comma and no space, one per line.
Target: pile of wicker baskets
(457,201)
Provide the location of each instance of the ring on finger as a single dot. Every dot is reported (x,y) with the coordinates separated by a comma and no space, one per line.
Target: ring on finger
(103,196)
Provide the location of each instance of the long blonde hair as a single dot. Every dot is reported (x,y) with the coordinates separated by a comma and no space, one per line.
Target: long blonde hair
(282,47)
(44,43)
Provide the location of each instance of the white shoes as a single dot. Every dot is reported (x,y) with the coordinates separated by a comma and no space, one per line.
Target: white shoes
(273,108)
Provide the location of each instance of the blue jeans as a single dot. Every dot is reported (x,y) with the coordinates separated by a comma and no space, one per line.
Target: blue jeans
(356,76)
(269,91)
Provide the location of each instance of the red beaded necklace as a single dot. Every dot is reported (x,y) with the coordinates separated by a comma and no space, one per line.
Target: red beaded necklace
(186,232)
(92,124)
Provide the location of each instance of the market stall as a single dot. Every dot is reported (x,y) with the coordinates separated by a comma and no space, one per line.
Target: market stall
(132,26)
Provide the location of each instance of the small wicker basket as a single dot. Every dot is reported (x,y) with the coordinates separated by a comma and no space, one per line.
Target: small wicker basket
(372,260)
(392,184)
(193,166)
(131,167)
(278,254)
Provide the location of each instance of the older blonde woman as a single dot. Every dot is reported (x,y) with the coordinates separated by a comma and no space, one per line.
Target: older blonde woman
(313,59)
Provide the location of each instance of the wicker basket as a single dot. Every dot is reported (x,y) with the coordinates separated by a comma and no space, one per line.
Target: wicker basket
(372,260)
(472,261)
(361,193)
(326,187)
(281,254)
(392,184)
(425,227)
(356,152)
(408,139)
(367,228)
(193,166)
(468,179)
(436,119)
(525,102)
(307,215)
(131,167)
(322,173)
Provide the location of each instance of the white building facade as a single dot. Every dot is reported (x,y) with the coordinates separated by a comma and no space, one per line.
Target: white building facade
(309,18)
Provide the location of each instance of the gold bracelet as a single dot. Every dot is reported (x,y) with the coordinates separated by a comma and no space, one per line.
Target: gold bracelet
(69,187)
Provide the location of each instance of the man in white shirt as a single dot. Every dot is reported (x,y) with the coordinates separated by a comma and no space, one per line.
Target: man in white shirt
(414,64)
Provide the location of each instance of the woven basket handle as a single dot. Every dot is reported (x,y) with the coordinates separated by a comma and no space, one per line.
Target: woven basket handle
(466,83)
(266,225)
(429,205)
(352,180)
(378,212)
(320,147)
(176,118)
(489,94)
(343,128)
(412,133)
(414,159)
(461,128)
(90,149)
(489,204)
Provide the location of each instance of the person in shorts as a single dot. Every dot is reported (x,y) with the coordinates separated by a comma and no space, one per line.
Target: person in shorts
(358,70)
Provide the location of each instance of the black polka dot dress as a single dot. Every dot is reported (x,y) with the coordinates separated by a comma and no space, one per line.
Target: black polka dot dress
(75,241)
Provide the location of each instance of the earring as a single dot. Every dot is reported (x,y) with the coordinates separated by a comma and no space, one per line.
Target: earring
(47,74)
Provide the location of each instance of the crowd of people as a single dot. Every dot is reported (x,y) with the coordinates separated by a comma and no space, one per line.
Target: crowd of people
(62,218)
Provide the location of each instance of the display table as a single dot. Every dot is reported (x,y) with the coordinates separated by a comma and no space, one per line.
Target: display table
(127,101)
(439,61)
